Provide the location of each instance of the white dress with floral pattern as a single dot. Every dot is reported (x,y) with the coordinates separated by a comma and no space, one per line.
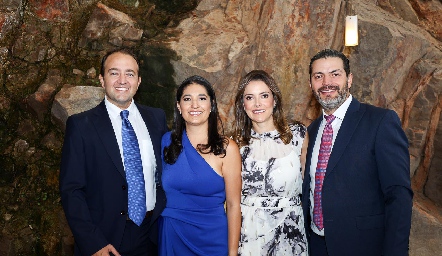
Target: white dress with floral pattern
(272,218)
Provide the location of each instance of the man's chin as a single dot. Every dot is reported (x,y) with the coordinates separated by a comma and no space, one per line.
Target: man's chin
(329,104)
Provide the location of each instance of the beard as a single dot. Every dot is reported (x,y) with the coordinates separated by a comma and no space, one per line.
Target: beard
(330,103)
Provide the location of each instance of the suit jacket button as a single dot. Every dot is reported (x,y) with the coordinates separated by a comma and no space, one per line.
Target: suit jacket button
(123,187)
(123,212)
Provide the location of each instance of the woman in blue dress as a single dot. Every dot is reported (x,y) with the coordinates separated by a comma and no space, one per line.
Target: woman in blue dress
(201,177)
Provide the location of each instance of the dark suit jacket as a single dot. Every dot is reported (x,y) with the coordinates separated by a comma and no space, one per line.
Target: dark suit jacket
(92,179)
(366,194)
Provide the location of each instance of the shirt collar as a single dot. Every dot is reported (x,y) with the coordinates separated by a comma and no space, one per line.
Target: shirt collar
(340,112)
(114,111)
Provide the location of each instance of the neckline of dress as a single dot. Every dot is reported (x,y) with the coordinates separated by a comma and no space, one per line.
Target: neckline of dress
(270,134)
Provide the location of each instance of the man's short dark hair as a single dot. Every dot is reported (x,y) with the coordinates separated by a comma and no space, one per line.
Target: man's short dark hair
(326,53)
(126,51)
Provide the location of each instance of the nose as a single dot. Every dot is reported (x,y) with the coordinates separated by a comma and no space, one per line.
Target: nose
(194,104)
(325,79)
(122,79)
(257,103)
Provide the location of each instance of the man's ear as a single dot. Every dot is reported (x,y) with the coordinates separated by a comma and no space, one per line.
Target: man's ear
(350,80)
(100,78)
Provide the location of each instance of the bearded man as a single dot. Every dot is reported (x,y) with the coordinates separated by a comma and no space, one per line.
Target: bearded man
(357,197)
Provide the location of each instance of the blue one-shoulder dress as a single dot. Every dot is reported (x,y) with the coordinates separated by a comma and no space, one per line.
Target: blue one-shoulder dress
(194,221)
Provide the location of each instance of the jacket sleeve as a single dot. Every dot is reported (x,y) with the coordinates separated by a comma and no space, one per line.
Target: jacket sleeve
(393,162)
(73,183)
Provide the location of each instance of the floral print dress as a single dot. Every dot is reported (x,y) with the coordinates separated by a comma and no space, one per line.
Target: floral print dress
(272,218)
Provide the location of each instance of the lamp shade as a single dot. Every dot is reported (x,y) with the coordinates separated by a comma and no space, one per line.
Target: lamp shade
(351,30)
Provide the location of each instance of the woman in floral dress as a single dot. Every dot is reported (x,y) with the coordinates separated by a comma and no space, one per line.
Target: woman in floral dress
(273,157)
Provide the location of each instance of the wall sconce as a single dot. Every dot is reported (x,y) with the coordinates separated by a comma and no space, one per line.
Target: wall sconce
(351,30)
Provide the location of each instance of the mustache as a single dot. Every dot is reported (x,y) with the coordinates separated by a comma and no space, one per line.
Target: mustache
(328,87)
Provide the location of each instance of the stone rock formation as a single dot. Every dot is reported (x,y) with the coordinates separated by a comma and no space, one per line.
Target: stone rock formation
(109,26)
(50,54)
(72,100)
(396,65)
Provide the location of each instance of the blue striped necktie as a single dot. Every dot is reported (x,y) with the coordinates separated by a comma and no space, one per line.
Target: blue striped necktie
(134,171)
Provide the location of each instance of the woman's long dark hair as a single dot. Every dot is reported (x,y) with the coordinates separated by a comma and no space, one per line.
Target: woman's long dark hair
(243,124)
(216,143)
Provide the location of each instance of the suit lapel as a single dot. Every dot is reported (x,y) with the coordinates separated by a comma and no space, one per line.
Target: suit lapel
(348,127)
(106,134)
(147,117)
(313,132)
(154,133)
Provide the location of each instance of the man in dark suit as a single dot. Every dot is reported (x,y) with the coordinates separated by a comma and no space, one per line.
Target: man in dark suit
(93,185)
(357,197)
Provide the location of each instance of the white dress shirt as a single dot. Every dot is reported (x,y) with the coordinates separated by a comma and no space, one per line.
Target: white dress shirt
(336,125)
(144,142)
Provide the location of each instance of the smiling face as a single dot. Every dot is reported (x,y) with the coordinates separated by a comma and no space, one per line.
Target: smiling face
(120,80)
(195,105)
(258,104)
(329,83)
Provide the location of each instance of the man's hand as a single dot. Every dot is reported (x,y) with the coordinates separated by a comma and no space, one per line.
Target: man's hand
(106,250)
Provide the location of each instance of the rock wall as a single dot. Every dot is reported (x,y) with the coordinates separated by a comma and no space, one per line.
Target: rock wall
(49,54)
(397,65)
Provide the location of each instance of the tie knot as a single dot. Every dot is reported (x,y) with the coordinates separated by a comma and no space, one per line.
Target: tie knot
(124,114)
(329,118)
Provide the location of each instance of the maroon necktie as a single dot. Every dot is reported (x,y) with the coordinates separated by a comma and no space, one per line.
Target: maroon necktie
(324,155)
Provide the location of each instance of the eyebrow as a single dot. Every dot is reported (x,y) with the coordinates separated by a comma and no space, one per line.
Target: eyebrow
(201,94)
(116,69)
(333,71)
(258,93)
(336,70)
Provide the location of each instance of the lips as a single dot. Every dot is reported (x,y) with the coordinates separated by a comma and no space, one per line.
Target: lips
(258,111)
(195,113)
(328,88)
(121,88)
